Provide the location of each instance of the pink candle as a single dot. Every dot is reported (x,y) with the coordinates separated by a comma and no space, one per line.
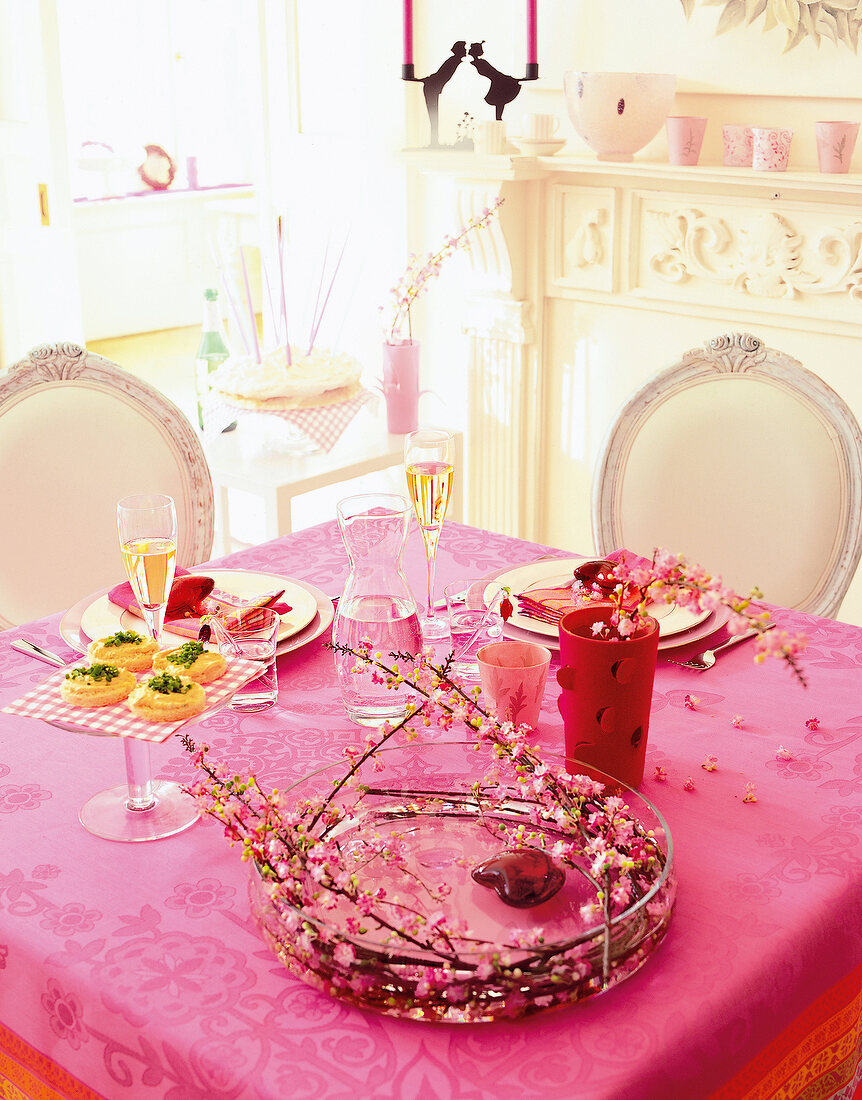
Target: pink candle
(532,50)
(408,32)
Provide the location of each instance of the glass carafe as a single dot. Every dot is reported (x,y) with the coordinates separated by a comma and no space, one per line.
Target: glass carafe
(377,605)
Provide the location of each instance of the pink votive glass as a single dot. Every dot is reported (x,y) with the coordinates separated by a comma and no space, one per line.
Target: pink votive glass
(835,144)
(770,148)
(513,678)
(737,146)
(684,138)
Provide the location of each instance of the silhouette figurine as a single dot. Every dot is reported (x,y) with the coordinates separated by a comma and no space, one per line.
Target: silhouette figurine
(434,84)
(503,89)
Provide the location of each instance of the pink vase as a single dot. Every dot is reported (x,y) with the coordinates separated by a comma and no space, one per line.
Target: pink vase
(401,386)
(607,695)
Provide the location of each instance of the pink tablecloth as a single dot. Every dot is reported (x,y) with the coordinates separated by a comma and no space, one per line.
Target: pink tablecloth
(134,971)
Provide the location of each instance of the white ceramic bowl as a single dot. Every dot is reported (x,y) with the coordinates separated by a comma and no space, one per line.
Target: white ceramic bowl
(617,114)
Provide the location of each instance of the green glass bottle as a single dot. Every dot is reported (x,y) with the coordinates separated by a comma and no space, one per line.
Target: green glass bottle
(212,352)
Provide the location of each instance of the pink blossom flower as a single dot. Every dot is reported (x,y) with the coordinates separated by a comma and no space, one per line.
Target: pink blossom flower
(782,753)
(660,774)
(750,793)
(691,702)
(688,785)
(812,723)
(344,954)
(736,721)
(710,763)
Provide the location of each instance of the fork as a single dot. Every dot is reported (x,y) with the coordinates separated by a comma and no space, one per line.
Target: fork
(702,661)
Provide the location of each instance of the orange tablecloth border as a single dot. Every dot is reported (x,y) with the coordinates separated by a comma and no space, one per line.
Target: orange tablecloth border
(818,1054)
(27,1074)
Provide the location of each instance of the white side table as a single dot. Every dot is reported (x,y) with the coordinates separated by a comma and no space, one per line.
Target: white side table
(237,460)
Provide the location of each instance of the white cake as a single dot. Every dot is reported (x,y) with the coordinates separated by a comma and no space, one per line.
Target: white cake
(309,381)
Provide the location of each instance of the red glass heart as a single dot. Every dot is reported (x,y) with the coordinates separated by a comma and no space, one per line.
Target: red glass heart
(522,878)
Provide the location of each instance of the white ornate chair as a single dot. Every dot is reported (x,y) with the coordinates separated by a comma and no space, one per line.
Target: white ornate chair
(77,433)
(747,463)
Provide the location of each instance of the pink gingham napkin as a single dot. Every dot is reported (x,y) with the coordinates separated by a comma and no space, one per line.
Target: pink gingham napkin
(324,425)
(46,703)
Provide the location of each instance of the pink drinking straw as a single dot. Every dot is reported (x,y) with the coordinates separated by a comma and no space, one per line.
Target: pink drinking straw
(280,235)
(532,49)
(230,299)
(251,315)
(319,316)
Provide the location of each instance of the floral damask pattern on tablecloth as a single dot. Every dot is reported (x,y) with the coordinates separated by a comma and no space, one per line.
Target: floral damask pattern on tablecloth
(139,970)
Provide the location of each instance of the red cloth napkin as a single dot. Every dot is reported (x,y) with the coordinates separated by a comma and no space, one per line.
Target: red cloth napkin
(185,619)
(549,605)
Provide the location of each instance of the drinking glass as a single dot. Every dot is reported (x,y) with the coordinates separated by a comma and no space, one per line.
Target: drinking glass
(143,809)
(473,621)
(251,633)
(428,461)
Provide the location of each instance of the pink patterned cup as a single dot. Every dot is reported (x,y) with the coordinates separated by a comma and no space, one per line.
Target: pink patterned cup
(513,679)
(770,148)
(737,146)
(835,144)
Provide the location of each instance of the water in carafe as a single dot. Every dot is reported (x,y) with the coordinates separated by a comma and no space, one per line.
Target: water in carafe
(377,606)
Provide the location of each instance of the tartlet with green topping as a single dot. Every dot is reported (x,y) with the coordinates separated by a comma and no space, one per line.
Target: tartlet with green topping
(193,660)
(96,685)
(164,697)
(126,649)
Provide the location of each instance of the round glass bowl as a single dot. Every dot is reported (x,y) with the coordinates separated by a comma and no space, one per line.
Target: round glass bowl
(502,961)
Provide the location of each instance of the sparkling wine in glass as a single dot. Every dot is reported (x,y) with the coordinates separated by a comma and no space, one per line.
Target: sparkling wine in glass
(143,809)
(147,527)
(428,461)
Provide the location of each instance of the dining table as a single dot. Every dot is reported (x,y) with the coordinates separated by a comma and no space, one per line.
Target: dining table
(136,970)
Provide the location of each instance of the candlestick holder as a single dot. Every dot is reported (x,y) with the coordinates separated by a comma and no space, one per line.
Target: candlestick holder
(502,88)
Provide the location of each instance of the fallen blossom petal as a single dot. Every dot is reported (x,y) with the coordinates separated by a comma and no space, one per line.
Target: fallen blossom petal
(750,793)
(736,721)
(784,754)
(660,774)
(812,723)
(710,763)
(688,785)
(691,702)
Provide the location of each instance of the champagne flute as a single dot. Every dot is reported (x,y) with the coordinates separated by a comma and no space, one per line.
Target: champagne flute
(428,461)
(142,809)
(147,528)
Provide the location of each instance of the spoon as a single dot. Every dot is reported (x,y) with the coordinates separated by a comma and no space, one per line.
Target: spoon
(33,650)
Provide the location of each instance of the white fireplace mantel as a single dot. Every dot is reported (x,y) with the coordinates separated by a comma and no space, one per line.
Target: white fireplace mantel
(599,274)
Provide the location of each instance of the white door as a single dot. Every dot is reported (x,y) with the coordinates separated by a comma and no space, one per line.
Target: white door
(39,293)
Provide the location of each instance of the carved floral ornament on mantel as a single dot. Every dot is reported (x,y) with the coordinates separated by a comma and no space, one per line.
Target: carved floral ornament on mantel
(837,20)
(770,259)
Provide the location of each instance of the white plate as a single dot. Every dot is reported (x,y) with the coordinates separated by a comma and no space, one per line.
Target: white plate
(95,616)
(556,571)
(710,625)
(530,148)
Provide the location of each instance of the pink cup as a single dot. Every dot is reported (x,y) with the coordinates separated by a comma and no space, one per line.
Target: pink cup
(737,146)
(684,138)
(835,144)
(770,148)
(513,679)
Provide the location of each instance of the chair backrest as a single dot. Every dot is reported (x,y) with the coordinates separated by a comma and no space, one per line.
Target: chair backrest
(77,433)
(745,462)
